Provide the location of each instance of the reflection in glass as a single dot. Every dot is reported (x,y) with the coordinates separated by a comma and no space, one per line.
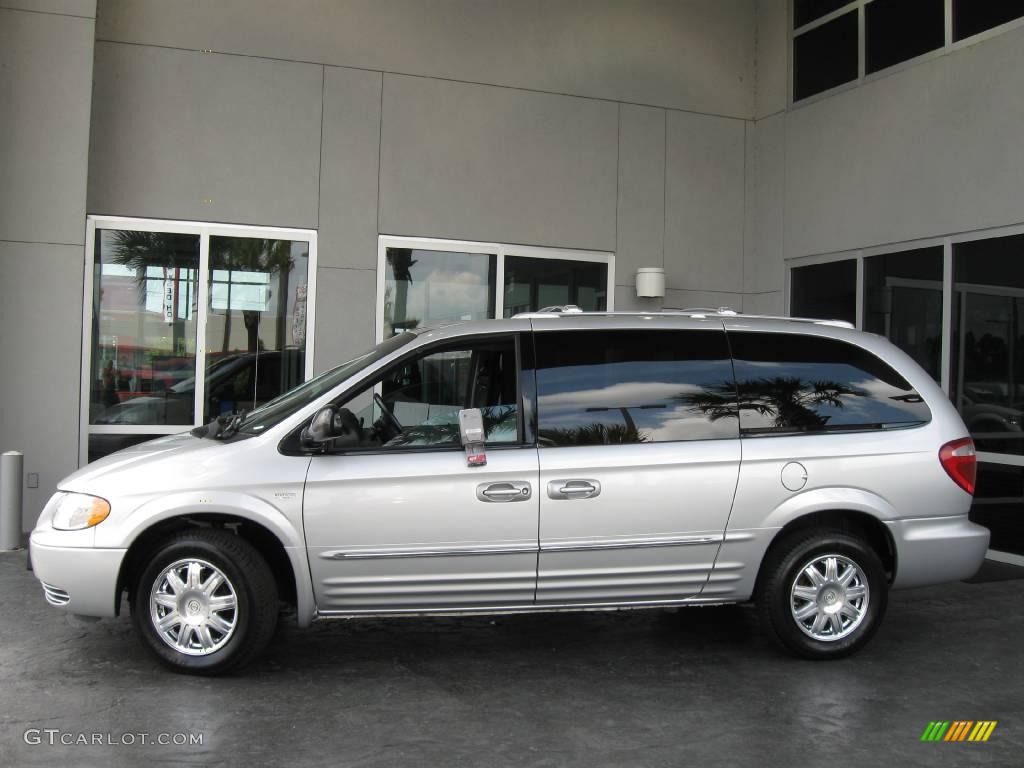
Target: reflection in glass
(827,291)
(997,505)
(789,384)
(425,287)
(256,322)
(903,302)
(531,284)
(988,341)
(144,327)
(624,387)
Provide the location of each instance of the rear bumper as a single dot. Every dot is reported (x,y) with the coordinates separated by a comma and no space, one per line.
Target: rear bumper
(77,579)
(937,549)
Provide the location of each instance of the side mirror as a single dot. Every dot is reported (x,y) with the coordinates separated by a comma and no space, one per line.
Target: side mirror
(471,431)
(331,428)
(321,428)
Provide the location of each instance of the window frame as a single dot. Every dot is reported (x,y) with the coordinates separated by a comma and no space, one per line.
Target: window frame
(863,77)
(204,230)
(526,432)
(499,250)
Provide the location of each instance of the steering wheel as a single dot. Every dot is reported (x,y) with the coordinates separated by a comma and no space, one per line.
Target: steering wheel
(391,424)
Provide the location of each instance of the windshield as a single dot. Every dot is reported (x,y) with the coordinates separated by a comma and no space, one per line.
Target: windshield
(283,406)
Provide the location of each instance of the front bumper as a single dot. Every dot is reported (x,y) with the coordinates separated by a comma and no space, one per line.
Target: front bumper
(935,550)
(79,580)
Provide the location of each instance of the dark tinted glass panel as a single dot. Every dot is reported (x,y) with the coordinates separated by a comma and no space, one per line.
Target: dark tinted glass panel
(790,383)
(826,291)
(825,57)
(101,445)
(903,302)
(999,505)
(619,387)
(806,11)
(988,341)
(531,284)
(973,16)
(897,30)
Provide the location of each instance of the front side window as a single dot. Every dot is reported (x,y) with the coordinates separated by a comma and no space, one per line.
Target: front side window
(623,387)
(416,402)
(788,384)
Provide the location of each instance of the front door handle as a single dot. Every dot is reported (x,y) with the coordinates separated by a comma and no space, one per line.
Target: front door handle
(574,489)
(503,492)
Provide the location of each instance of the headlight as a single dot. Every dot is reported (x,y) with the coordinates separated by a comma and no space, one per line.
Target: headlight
(78,510)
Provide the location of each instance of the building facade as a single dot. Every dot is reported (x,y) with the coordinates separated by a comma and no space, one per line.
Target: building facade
(204,203)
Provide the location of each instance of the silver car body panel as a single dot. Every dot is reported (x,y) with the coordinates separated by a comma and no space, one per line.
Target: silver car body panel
(406,533)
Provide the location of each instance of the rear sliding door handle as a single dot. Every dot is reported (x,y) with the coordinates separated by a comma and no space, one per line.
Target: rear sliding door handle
(503,492)
(574,489)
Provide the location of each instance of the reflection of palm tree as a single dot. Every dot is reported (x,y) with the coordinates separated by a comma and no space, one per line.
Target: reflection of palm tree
(593,434)
(789,401)
(250,254)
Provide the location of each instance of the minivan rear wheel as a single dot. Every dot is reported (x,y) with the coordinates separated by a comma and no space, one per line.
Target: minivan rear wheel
(206,603)
(823,594)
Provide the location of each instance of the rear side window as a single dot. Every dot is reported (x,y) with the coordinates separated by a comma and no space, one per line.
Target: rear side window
(625,387)
(790,383)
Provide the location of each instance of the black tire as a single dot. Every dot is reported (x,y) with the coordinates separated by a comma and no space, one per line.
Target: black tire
(248,576)
(784,565)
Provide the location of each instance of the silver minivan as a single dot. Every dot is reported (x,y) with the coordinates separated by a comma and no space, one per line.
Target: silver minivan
(554,461)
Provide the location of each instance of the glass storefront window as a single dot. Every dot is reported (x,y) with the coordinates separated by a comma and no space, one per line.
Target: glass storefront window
(189,322)
(423,287)
(256,321)
(827,291)
(987,384)
(144,323)
(531,284)
(903,302)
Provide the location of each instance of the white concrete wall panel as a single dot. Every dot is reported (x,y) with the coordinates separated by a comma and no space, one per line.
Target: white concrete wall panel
(704,199)
(41,345)
(932,149)
(478,162)
(349,167)
(45,88)
(687,54)
(190,135)
(641,203)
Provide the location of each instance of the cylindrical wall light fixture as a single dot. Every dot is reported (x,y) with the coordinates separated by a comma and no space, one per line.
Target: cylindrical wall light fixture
(650,282)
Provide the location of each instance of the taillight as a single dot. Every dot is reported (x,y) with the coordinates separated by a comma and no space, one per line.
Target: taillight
(960,463)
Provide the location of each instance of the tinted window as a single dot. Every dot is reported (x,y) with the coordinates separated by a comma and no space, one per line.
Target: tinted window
(973,16)
(791,383)
(620,387)
(825,57)
(826,291)
(806,11)
(895,30)
(903,301)
(987,382)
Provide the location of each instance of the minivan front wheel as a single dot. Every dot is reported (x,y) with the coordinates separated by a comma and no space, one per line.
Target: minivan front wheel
(206,603)
(823,594)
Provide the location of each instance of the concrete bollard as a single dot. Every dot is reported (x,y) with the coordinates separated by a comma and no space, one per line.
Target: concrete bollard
(12,464)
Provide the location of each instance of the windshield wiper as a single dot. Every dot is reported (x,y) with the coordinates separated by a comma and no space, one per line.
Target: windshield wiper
(222,427)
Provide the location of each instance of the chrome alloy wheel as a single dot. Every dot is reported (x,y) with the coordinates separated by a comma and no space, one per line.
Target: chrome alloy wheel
(193,607)
(829,597)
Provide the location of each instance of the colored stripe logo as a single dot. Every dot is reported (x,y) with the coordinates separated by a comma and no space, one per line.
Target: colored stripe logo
(959,730)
